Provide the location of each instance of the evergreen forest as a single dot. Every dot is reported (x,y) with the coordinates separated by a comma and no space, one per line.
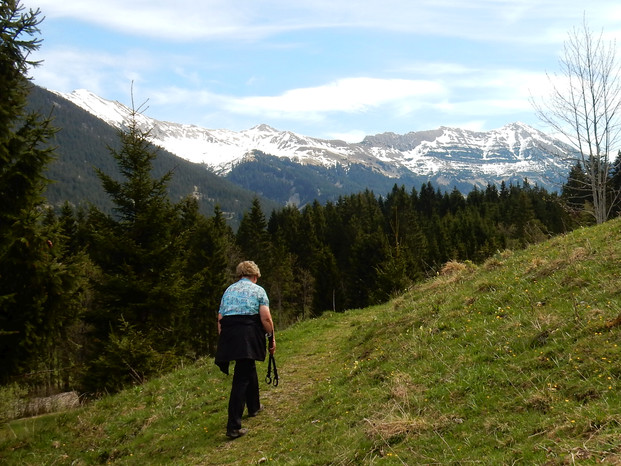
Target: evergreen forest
(95,299)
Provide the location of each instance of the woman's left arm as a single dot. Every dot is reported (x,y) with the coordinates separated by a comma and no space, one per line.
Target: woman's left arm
(268,324)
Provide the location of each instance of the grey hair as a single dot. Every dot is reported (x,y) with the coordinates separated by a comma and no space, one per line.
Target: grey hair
(247,269)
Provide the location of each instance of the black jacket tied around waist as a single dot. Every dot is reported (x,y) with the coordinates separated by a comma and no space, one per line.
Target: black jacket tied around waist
(241,337)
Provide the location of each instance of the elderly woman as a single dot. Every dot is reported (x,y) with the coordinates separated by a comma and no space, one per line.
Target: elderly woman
(243,320)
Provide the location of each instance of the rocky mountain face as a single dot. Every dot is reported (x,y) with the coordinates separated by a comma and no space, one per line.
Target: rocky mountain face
(447,157)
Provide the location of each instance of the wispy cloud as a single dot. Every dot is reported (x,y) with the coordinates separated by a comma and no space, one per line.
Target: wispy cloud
(69,67)
(185,20)
(467,100)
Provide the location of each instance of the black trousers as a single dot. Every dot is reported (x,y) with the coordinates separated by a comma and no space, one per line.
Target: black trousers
(244,392)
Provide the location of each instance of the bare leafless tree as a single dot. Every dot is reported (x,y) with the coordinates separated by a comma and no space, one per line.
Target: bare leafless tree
(584,106)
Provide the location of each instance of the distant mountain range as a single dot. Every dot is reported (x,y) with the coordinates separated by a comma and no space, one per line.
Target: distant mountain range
(83,143)
(286,167)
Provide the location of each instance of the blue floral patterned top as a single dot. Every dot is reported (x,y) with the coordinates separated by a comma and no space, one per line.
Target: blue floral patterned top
(243,298)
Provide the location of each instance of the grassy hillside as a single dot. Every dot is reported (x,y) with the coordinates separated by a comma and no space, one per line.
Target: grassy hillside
(515,361)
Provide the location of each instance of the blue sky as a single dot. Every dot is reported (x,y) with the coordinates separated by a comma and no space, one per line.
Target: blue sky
(321,68)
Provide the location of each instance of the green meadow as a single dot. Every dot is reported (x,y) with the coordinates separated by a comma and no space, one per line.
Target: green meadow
(513,361)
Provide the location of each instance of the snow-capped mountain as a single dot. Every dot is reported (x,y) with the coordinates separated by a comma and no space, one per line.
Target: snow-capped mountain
(446,156)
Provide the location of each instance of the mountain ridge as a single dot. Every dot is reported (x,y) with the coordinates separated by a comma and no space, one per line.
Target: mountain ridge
(83,144)
(447,157)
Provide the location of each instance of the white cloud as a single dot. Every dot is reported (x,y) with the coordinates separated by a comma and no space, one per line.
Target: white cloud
(479,91)
(67,69)
(185,20)
(349,95)
(182,97)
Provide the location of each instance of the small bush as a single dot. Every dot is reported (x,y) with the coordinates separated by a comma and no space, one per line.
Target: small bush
(11,401)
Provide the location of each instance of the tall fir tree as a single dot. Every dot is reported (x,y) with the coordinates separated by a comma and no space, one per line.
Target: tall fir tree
(37,290)
(407,245)
(209,244)
(141,306)
(253,238)
(322,286)
(615,185)
(576,191)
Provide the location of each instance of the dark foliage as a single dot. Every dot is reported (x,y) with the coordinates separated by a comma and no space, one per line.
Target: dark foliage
(362,249)
(39,283)
(154,303)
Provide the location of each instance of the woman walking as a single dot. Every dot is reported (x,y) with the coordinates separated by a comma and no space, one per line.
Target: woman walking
(244,320)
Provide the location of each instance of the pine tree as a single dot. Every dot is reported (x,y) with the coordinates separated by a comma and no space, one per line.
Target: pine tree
(283,287)
(408,245)
(288,289)
(427,200)
(615,173)
(576,195)
(328,293)
(141,306)
(615,186)
(285,225)
(319,272)
(252,235)
(209,242)
(365,249)
(37,291)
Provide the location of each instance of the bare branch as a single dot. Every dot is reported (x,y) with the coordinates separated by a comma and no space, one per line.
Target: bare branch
(585,108)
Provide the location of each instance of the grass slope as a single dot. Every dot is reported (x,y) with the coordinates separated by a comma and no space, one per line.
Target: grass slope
(515,361)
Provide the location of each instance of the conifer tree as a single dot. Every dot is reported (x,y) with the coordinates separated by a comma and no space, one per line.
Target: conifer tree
(576,192)
(404,263)
(287,287)
(615,172)
(365,248)
(252,235)
(37,290)
(322,285)
(209,243)
(283,287)
(615,182)
(328,291)
(427,200)
(284,225)
(141,306)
